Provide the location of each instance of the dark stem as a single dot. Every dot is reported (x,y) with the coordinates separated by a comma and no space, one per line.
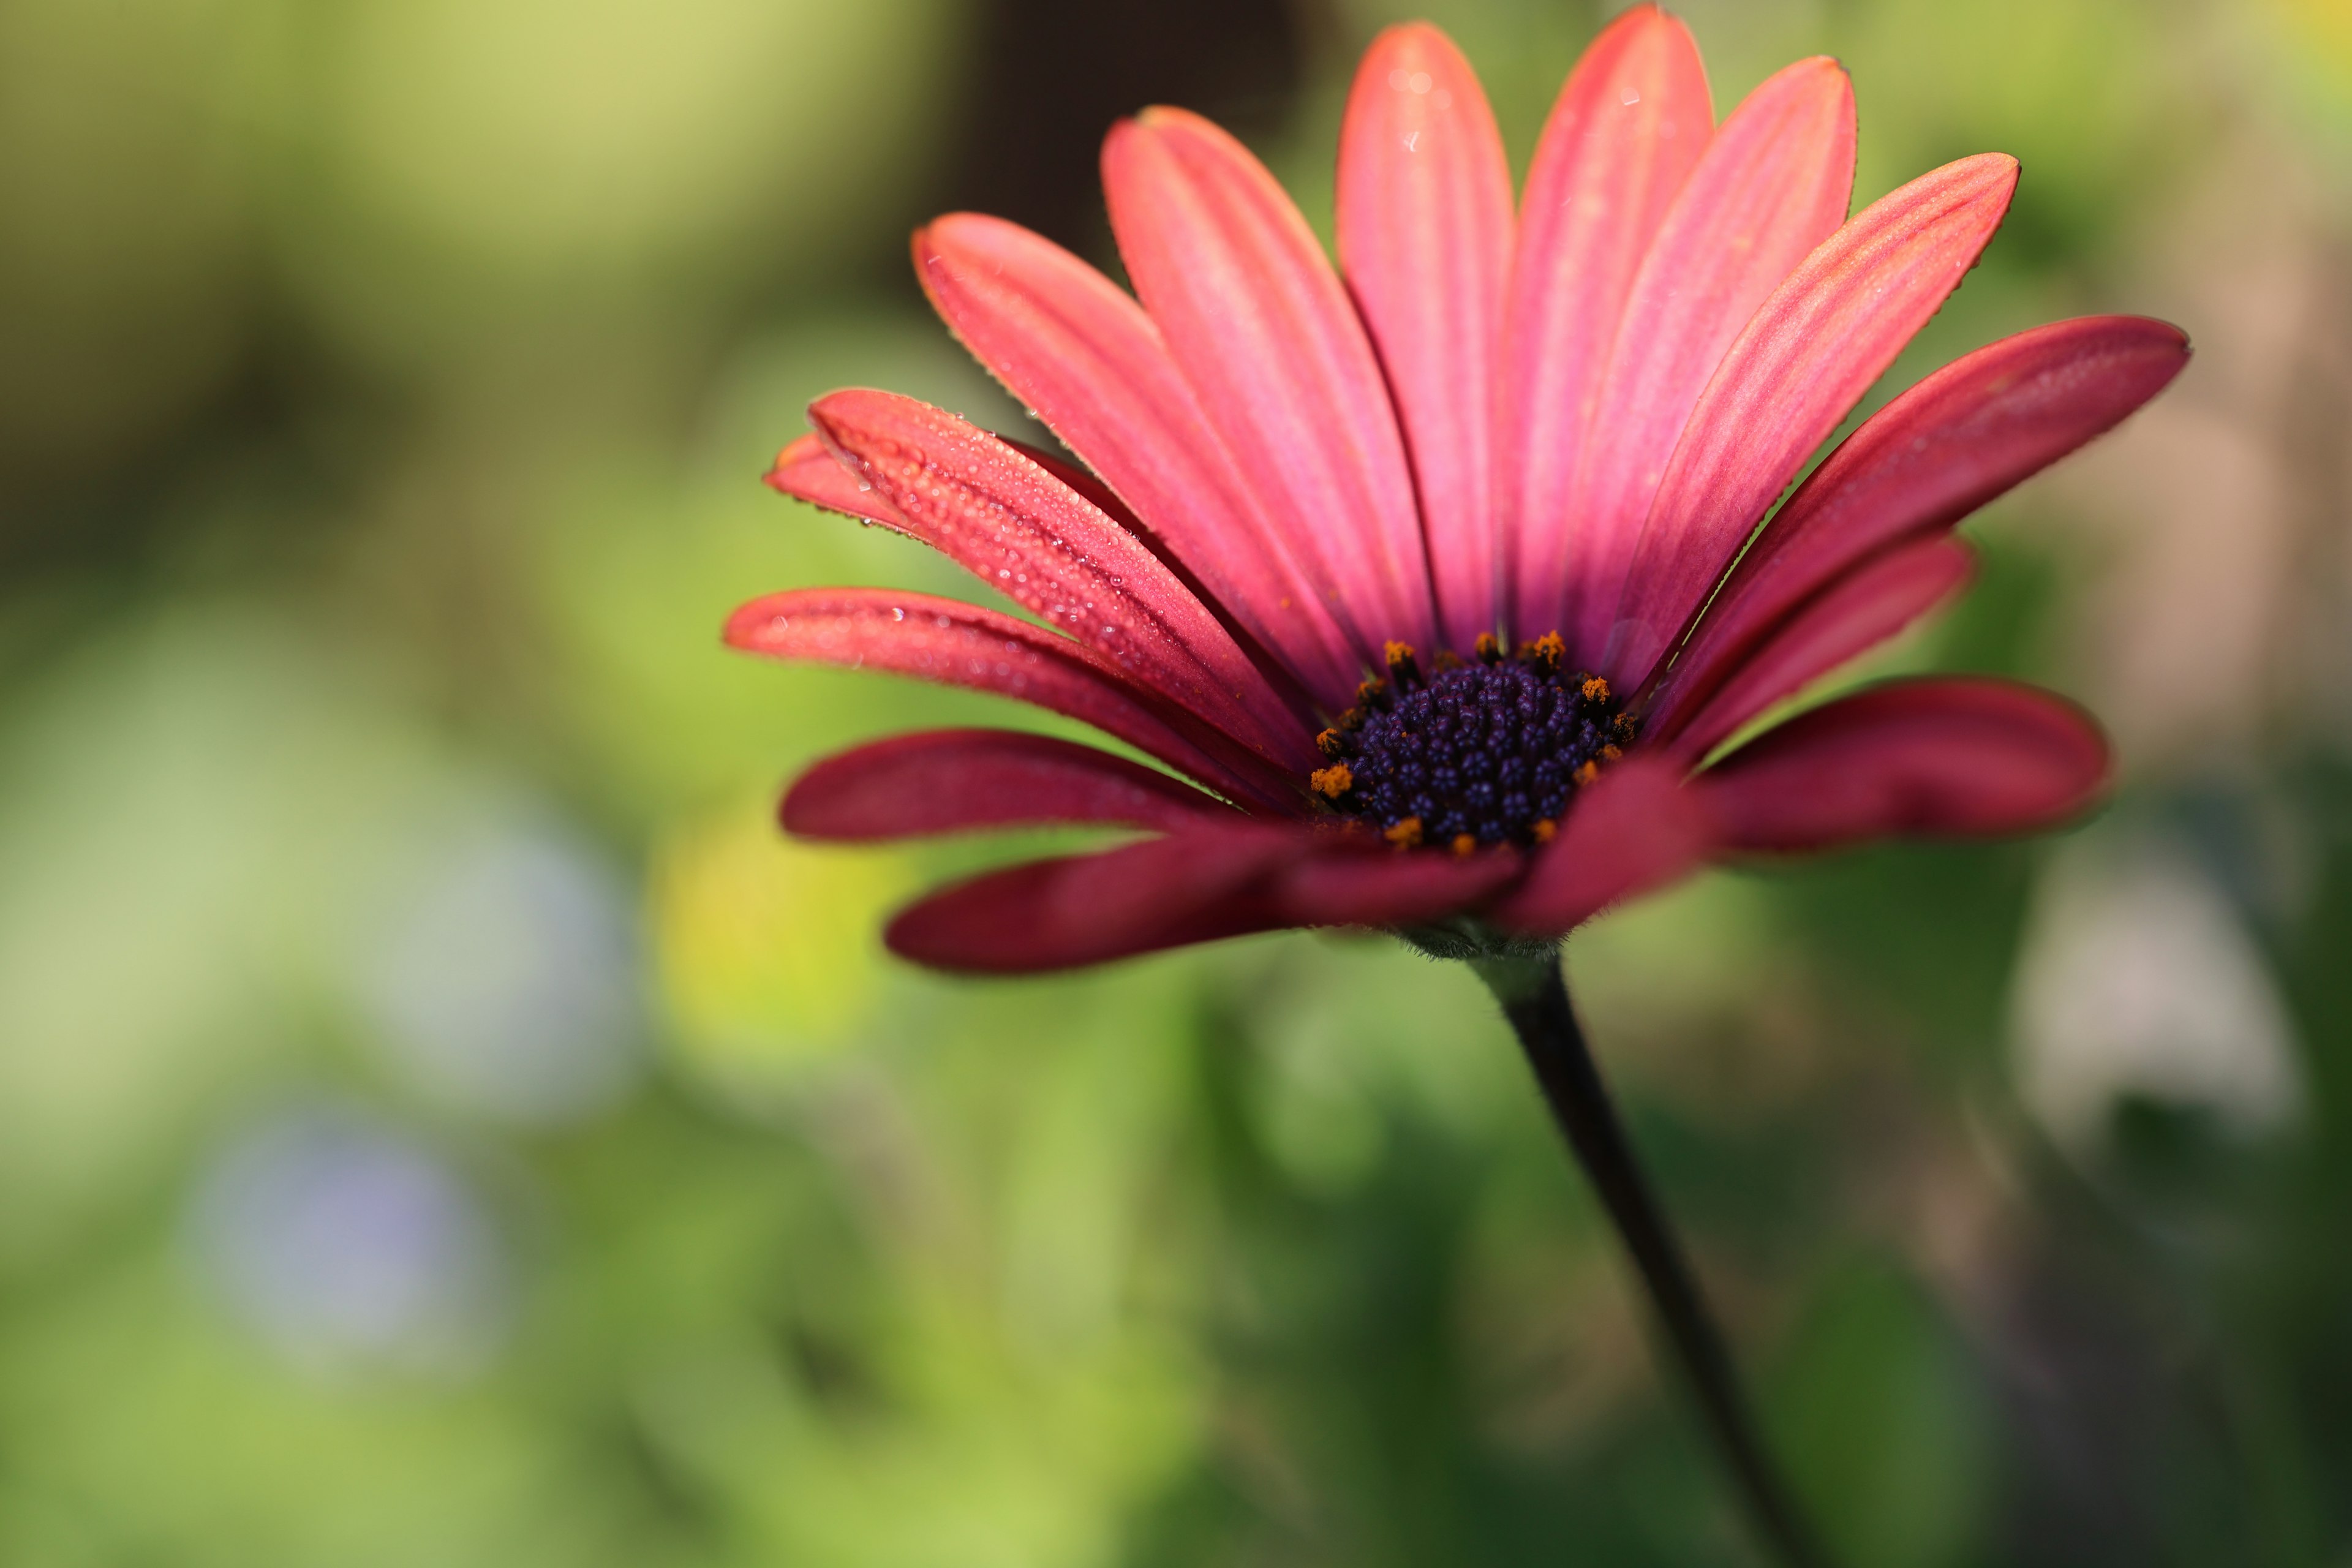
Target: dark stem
(1535,999)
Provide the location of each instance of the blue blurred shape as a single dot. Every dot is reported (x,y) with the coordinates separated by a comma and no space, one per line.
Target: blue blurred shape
(347,1245)
(505,977)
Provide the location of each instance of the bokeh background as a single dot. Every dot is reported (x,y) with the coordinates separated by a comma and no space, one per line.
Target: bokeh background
(442,1123)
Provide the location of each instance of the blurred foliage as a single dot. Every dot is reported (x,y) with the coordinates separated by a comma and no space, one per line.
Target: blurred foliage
(442,1122)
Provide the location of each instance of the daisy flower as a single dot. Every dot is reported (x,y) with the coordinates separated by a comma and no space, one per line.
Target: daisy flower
(1447,583)
(1434,579)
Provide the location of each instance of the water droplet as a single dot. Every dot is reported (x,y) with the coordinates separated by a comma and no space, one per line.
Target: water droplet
(1629,98)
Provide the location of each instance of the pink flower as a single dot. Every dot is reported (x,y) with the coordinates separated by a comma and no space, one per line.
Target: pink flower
(1439,574)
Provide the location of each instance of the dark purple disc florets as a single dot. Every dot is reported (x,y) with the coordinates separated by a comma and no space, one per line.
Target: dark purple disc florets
(1473,754)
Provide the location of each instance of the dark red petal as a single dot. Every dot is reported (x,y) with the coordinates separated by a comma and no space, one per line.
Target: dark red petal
(1919,465)
(949,781)
(1634,829)
(1633,118)
(952,643)
(1267,336)
(1425,223)
(1072,345)
(1807,356)
(1088,909)
(1032,538)
(806,471)
(1374,885)
(1936,758)
(1841,624)
(1774,183)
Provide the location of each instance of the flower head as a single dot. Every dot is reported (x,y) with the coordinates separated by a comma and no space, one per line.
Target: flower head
(1439,574)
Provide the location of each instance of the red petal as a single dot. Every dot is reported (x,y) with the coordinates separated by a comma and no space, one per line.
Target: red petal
(1807,358)
(1842,623)
(1925,461)
(1636,829)
(1069,343)
(1424,230)
(806,471)
(1633,118)
(1031,537)
(1088,909)
(1273,347)
(1773,184)
(952,644)
(1942,758)
(947,780)
(1348,884)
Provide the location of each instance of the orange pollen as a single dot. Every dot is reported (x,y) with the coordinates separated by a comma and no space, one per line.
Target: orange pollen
(1405,834)
(1464,844)
(1395,653)
(1329,742)
(1334,781)
(1611,753)
(1547,650)
(1546,830)
(1489,647)
(1596,690)
(1588,773)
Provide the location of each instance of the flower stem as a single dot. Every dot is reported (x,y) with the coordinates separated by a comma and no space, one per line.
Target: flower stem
(1534,998)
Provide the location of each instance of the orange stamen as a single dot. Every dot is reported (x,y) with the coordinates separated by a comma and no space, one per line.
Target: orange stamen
(1405,834)
(1334,781)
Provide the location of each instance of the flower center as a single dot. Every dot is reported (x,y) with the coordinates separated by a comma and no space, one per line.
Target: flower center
(1473,753)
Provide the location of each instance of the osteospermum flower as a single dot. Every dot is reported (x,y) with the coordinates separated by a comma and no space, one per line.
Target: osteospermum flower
(1435,579)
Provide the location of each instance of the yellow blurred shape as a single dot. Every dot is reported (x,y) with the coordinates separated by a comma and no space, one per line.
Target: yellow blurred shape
(769,960)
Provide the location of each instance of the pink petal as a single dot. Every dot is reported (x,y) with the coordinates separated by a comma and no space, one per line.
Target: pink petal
(1271,344)
(1844,621)
(948,781)
(1424,230)
(1636,829)
(1089,909)
(952,643)
(1806,359)
(1925,461)
(805,471)
(1628,126)
(1771,185)
(1030,537)
(1374,885)
(1070,345)
(1941,758)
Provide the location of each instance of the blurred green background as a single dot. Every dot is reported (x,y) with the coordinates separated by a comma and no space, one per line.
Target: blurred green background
(442,1123)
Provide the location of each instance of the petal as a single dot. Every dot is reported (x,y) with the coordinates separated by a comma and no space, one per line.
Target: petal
(1628,126)
(1031,537)
(805,471)
(1636,829)
(1843,622)
(1424,230)
(1271,344)
(1941,758)
(1806,359)
(1071,344)
(952,643)
(948,781)
(1925,461)
(1773,184)
(1351,884)
(1088,909)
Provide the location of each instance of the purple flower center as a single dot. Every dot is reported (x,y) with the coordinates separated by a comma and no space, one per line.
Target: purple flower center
(1474,754)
